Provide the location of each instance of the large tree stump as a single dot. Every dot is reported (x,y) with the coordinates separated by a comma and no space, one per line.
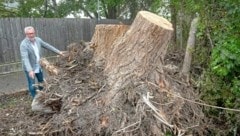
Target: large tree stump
(135,75)
(136,61)
(137,83)
(140,52)
(103,39)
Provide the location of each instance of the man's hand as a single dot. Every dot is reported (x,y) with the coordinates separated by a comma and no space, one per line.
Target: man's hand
(62,54)
(31,74)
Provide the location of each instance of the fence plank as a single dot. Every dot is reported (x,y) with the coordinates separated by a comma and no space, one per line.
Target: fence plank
(58,32)
(19,35)
(1,41)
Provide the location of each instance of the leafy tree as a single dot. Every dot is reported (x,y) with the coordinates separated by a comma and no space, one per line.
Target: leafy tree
(218,49)
(29,8)
(221,85)
(38,8)
(6,11)
(111,9)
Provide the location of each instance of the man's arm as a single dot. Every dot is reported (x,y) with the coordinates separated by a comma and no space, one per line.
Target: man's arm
(48,46)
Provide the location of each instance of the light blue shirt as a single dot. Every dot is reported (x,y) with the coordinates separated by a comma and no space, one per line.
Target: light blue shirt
(35,48)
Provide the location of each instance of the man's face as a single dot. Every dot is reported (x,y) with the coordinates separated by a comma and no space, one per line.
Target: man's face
(30,33)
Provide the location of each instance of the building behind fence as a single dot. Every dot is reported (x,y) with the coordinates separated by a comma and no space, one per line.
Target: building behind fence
(58,32)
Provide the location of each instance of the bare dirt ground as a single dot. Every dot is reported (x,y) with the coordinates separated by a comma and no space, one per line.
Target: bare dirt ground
(12,82)
(15,103)
(15,109)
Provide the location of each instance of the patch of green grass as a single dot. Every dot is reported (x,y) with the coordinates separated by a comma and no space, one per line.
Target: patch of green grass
(13,101)
(9,103)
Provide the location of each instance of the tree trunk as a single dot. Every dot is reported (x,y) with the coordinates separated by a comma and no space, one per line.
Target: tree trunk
(103,40)
(55,8)
(45,8)
(174,22)
(140,52)
(189,49)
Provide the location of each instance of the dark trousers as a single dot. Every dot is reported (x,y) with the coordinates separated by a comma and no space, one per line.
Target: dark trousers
(31,82)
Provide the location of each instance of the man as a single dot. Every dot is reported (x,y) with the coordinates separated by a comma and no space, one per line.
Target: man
(30,50)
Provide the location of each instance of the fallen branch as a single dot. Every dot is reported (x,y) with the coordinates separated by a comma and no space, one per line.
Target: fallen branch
(51,69)
(126,127)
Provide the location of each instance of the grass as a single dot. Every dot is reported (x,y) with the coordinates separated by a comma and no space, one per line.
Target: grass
(14,100)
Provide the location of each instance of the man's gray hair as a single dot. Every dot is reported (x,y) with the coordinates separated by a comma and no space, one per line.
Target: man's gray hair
(28,28)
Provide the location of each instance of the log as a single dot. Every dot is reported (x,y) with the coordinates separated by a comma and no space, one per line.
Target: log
(140,52)
(51,69)
(103,39)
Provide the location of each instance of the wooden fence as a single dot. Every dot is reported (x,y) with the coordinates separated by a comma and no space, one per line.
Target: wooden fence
(59,32)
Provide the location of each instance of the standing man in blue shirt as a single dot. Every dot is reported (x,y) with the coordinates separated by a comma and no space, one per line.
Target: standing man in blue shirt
(30,50)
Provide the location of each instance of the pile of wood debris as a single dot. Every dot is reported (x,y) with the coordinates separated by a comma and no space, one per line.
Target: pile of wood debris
(77,98)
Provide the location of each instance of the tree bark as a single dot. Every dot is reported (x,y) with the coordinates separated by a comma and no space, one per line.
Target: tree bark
(189,49)
(139,54)
(103,41)
(174,22)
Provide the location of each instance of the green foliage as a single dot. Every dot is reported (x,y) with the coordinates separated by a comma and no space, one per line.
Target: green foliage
(114,9)
(68,7)
(225,57)
(114,2)
(219,91)
(168,134)
(9,103)
(30,8)
(27,8)
(221,85)
(6,11)
(154,7)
